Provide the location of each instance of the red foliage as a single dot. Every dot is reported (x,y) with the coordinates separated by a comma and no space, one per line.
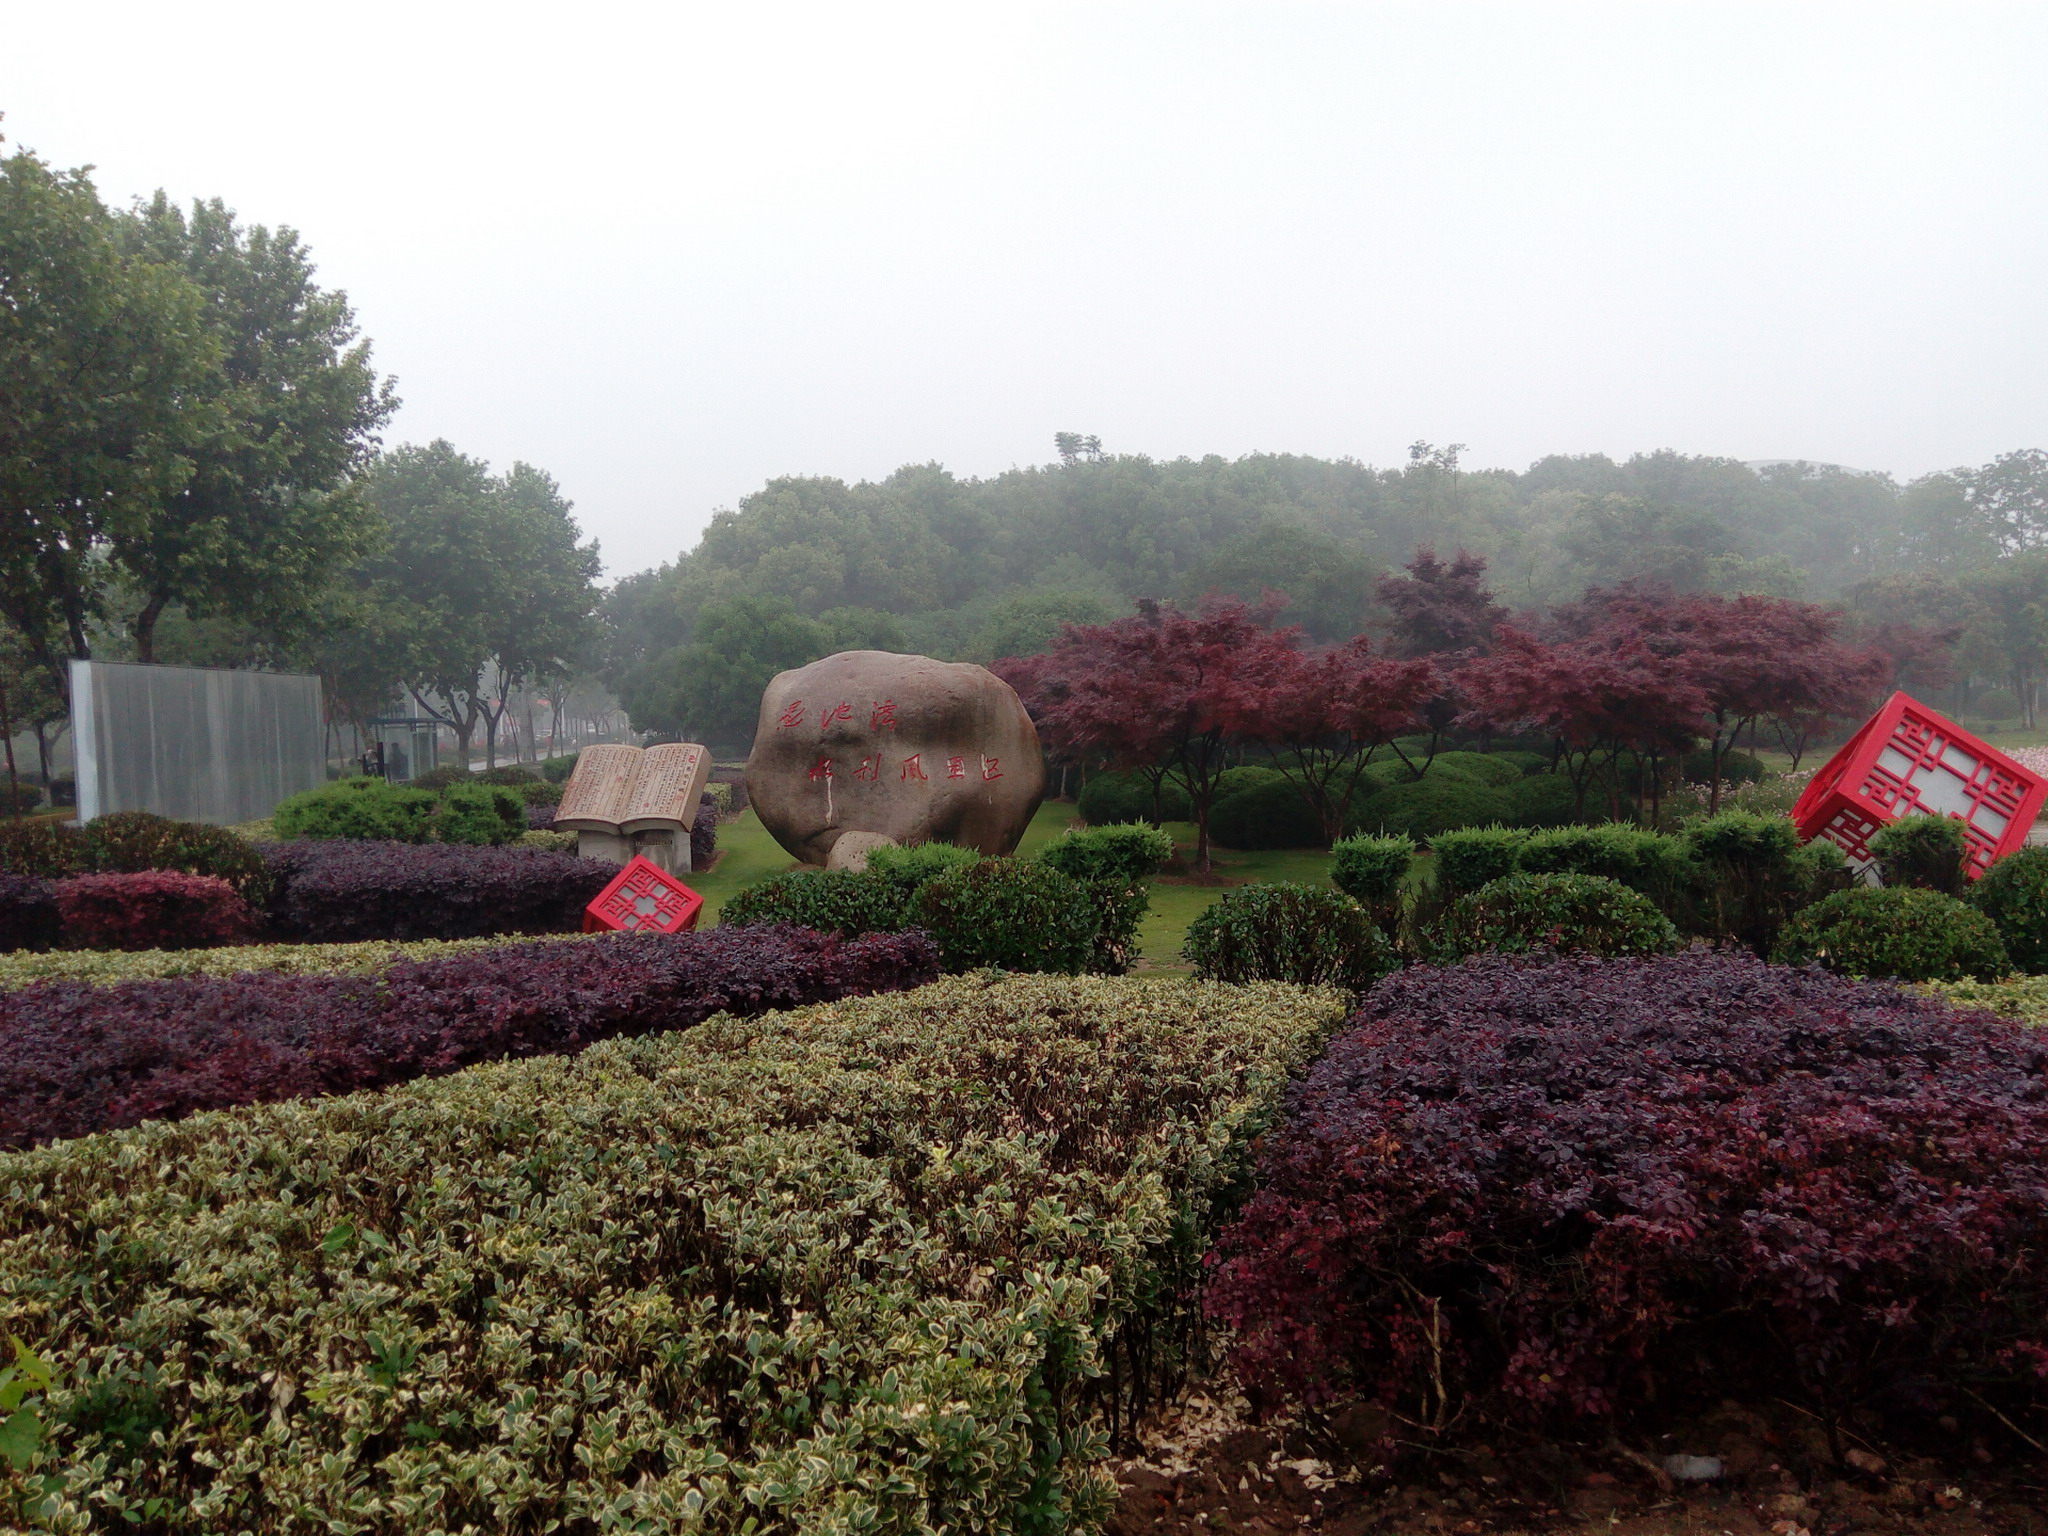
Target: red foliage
(1160,690)
(1547,1190)
(78,1058)
(1439,609)
(156,909)
(1325,713)
(1599,697)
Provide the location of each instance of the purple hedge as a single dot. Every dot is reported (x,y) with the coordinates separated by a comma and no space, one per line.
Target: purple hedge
(704,836)
(28,913)
(338,891)
(1557,1190)
(79,1058)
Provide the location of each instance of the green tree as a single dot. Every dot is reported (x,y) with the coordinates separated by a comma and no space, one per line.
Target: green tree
(270,505)
(479,578)
(1032,622)
(549,621)
(107,390)
(1328,587)
(710,690)
(2007,633)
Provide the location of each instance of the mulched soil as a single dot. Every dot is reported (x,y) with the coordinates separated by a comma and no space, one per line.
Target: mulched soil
(1205,1465)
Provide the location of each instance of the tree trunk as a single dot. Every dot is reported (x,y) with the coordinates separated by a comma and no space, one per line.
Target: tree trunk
(145,625)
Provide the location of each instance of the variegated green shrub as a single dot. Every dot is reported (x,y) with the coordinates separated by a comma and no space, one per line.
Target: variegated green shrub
(106,967)
(879,1266)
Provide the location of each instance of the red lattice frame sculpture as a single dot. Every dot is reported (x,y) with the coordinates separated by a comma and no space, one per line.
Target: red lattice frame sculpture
(1908,759)
(643,899)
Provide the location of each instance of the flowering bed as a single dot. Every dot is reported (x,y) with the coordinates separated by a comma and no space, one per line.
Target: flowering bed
(1544,1191)
(78,1058)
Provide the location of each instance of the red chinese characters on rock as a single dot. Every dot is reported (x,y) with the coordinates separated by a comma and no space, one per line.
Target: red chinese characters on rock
(913,767)
(1908,760)
(883,716)
(832,714)
(870,769)
(643,899)
(791,716)
(822,768)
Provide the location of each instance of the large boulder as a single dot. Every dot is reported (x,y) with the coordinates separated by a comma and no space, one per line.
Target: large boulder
(905,747)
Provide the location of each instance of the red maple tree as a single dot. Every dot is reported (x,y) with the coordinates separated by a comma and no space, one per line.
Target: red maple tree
(1599,697)
(1161,691)
(1325,714)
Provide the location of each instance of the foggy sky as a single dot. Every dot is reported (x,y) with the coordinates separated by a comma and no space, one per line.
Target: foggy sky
(668,251)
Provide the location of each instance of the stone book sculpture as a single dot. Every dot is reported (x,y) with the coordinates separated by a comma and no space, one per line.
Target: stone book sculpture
(624,800)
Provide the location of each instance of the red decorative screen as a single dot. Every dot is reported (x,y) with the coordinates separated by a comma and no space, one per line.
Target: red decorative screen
(643,899)
(1909,760)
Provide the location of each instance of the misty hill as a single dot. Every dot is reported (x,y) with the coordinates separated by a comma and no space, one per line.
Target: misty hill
(973,569)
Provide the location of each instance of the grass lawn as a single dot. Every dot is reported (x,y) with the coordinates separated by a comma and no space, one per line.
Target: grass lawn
(750,855)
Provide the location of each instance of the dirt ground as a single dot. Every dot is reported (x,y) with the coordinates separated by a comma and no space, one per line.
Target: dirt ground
(1206,1466)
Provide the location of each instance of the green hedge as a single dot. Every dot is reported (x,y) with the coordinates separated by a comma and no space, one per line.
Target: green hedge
(1013,913)
(879,1266)
(1439,803)
(1267,814)
(1117,797)
(1895,931)
(1371,871)
(374,810)
(1571,914)
(1296,933)
(2013,893)
(106,967)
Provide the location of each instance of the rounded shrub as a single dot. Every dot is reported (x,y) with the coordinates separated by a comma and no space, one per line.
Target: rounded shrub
(1371,871)
(908,868)
(21,799)
(129,842)
(2014,894)
(1928,852)
(1897,932)
(1424,807)
(829,901)
(1567,914)
(546,792)
(512,775)
(1541,800)
(1658,866)
(1470,857)
(1751,872)
(1736,768)
(1389,771)
(363,809)
(1267,814)
(479,814)
(28,913)
(48,850)
(1481,767)
(1294,933)
(152,909)
(1017,914)
(1132,851)
(1114,865)
(1115,797)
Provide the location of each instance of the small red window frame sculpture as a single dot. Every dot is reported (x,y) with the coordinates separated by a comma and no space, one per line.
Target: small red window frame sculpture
(644,898)
(1909,759)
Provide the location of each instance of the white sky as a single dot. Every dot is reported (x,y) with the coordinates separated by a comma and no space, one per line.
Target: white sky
(667,251)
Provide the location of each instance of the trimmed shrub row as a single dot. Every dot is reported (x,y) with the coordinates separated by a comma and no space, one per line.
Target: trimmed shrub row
(106,968)
(1077,906)
(375,810)
(79,1058)
(1545,1193)
(342,891)
(891,1265)
(129,842)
